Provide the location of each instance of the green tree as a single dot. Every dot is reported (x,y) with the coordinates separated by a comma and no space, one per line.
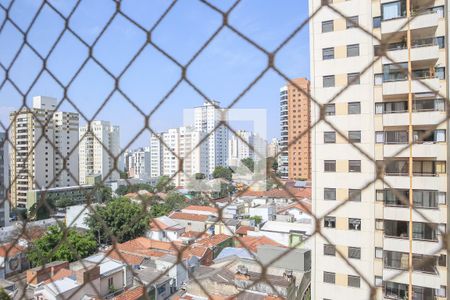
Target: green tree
(258,219)
(175,200)
(159,209)
(249,163)
(199,176)
(71,247)
(223,172)
(164,184)
(4,295)
(43,208)
(64,202)
(123,174)
(121,217)
(122,190)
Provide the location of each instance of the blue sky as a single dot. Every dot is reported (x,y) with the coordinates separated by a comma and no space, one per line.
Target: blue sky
(221,71)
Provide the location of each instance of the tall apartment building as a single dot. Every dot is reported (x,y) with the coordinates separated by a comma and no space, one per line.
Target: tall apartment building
(206,118)
(4,181)
(295,159)
(372,228)
(138,163)
(42,138)
(238,149)
(179,142)
(98,149)
(273,147)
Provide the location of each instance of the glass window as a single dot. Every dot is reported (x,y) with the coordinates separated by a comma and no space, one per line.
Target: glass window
(330,109)
(440,41)
(352,22)
(352,50)
(393,10)
(376,22)
(329,222)
(440,73)
(328,81)
(327,53)
(439,10)
(378,79)
(329,137)
(354,224)
(354,166)
(378,281)
(353,78)
(329,194)
(329,277)
(378,252)
(354,195)
(330,165)
(327,26)
(354,281)
(354,252)
(329,249)
(354,136)
(379,108)
(354,108)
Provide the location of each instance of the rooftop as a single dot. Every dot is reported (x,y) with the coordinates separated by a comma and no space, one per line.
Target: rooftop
(201,208)
(186,216)
(253,242)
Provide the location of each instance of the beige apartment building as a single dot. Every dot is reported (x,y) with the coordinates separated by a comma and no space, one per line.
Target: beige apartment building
(372,229)
(43,149)
(295,119)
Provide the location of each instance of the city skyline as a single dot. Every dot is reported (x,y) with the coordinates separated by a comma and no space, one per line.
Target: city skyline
(152,74)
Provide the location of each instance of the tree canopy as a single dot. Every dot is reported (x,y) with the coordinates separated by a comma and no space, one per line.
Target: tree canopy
(71,247)
(249,163)
(164,184)
(121,217)
(223,172)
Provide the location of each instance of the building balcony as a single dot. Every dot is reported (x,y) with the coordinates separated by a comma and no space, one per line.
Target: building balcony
(418,118)
(401,87)
(432,150)
(419,182)
(401,244)
(427,20)
(401,213)
(424,53)
(422,279)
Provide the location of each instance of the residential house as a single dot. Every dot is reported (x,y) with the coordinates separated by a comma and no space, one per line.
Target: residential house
(192,222)
(13,259)
(286,233)
(164,229)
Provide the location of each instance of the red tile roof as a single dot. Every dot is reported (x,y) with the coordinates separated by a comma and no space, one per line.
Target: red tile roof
(194,234)
(214,240)
(10,249)
(129,259)
(201,208)
(142,243)
(244,228)
(251,243)
(287,192)
(131,294)
(186,216)
(62,273)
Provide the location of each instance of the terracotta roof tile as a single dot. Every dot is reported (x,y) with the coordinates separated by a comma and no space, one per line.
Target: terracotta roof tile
(186,216)
(62,273)
(251,243)
(10,249)
(213,240)
(244,228)
(201,208)
(132,294)
(129,259)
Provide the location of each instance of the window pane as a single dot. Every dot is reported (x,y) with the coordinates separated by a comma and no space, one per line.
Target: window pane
(354,136)
(354,166)
(352,50)
(327,53)
(329,137)
(352,22)
(354,195)
(327,26)
(354,252)
(353,78)
(354,108)
(330,166)
(329,194)
(329,250)
(330,109)
(328,81)
(376,22)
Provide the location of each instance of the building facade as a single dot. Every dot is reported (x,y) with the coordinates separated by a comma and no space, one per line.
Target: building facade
(380,112)
(43,149)
(238,147)
(175,143)
(295,158)
(98,149)
(138,162)
(4,181)
(206,118)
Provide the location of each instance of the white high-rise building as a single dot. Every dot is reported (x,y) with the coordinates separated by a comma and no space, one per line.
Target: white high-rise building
(98,149)
(4,181)
(238,149)
(138,163)
(179,142)
(273,148)
(43,150)
(206,118)
(383,110)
